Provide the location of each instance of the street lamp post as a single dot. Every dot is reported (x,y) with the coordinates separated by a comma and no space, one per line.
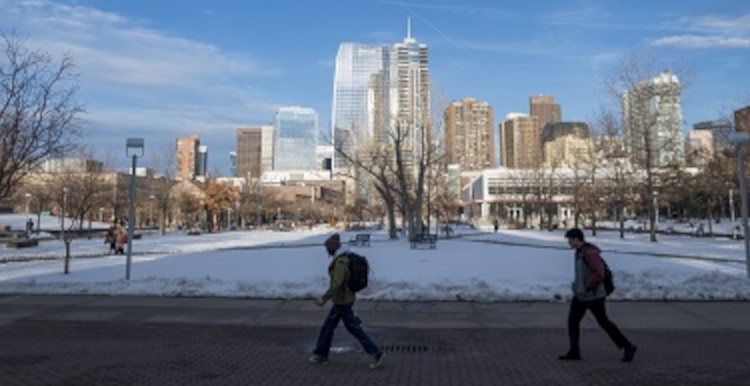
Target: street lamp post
(237,216)
(39,216)
(133,146)
(150,210)
(204,217)
(656,210)
(740,140)
(101,214)
(64,237)
(29,229)
(731,213)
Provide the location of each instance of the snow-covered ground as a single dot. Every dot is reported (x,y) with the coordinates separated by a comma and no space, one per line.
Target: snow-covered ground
(480,266)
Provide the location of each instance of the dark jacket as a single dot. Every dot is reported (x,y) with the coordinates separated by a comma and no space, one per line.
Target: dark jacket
(589,273)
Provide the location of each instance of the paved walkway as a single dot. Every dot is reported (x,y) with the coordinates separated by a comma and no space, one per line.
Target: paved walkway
(90,340)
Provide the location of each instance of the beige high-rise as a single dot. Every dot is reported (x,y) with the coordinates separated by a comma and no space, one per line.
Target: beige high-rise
(545,109)
(410,97)
(469,135)
(519,142)
(254,151)
(186,157)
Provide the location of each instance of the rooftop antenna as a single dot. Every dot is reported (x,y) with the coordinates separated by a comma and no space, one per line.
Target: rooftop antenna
(408,27)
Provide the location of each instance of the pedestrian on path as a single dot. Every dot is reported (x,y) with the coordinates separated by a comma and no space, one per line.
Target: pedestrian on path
(589,294)
(343,300)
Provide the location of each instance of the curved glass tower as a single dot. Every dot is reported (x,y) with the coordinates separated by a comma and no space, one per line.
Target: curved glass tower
(360,95)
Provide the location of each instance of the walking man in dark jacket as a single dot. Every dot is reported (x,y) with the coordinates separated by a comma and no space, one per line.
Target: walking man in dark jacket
(589,294)
(343,298)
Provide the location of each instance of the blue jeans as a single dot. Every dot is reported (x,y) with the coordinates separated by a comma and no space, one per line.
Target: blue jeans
(343,312)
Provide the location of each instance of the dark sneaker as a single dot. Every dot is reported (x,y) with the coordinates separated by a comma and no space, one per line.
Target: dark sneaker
(315,358)
(629,353)
(570,356)
(378,360)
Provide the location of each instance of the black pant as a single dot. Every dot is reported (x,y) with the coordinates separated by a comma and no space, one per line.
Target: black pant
(578,310)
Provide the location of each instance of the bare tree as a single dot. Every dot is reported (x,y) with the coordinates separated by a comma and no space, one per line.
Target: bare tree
(649,98)
(164,164)
(38,110)
(617,170)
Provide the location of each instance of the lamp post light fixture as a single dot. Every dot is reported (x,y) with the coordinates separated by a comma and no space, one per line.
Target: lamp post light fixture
(134,147)
(28,201)
(64,237)
(740,141)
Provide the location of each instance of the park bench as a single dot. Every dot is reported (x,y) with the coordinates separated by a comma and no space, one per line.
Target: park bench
(360,240)
(426,239)
(21,243)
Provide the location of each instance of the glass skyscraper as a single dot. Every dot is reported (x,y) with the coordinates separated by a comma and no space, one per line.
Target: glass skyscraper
(360,95)
(296,139)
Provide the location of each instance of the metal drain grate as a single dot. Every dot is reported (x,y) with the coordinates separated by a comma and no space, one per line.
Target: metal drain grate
(405,348)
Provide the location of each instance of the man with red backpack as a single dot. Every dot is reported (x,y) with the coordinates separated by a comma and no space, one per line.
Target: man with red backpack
(589,293)
(341,292)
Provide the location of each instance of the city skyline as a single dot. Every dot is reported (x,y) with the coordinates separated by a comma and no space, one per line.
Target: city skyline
(162,72)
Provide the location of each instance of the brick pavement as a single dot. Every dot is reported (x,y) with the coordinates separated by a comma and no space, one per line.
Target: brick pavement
(39,351)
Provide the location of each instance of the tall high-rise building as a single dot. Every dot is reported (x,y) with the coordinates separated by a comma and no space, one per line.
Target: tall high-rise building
(187,158)
(296,139)
(410,96)
(360,94)
(249,150)
(519,142)
(545,109)
(469,135)
(202,162)
(254,151)
(267,148)
(652,113)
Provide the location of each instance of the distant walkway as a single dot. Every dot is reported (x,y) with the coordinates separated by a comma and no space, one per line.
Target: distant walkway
(640,253)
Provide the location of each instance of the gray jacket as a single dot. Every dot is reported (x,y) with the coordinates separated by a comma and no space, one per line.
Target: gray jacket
(589,274)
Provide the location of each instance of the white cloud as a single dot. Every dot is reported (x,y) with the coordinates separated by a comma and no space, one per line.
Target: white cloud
(721,24)
(485,12)
(698,42)
(131,74)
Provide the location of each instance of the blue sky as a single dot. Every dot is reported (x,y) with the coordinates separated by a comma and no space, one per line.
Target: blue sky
(167,68)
